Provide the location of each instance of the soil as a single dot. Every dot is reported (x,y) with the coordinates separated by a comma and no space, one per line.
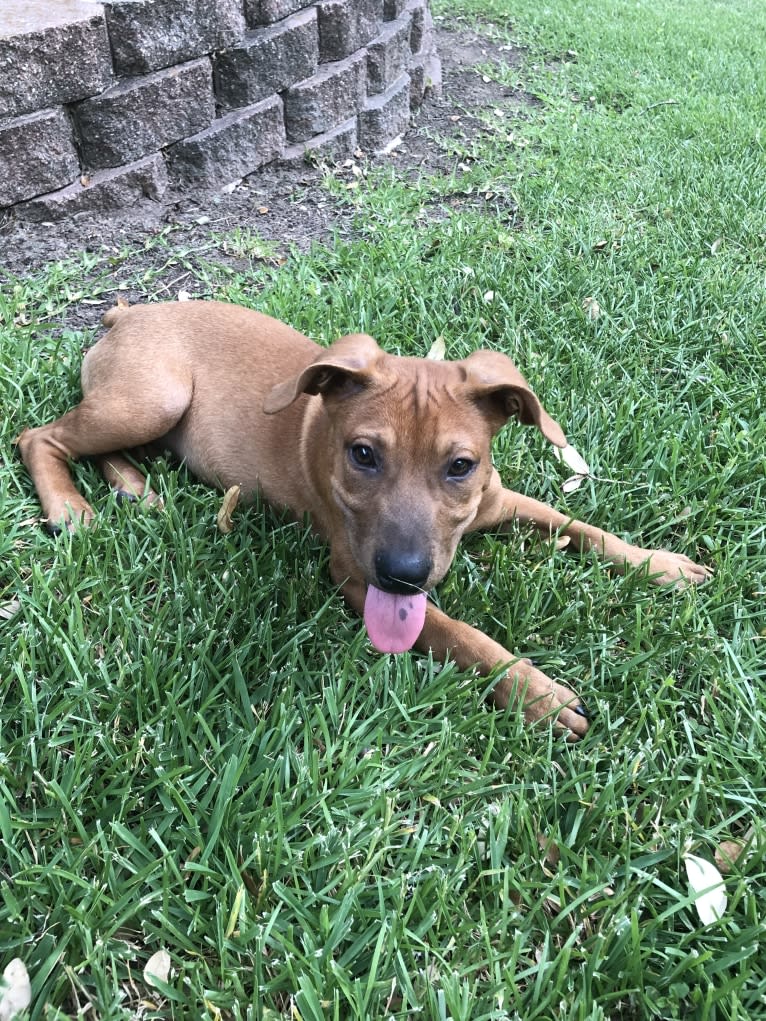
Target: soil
(283,203)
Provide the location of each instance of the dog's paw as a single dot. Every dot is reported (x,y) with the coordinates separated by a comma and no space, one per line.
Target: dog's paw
(543,699)
(69,517)
(674,569)
(147,498)
(560,707)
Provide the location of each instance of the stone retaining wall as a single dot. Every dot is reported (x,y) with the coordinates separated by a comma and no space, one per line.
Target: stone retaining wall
(105,105)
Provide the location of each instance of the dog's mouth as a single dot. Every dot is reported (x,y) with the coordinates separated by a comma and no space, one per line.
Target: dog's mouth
(393,620)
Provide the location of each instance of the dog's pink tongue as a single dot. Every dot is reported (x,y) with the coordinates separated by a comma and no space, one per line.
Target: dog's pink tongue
(393,622)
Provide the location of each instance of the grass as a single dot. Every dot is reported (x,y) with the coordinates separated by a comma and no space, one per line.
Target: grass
(198,749)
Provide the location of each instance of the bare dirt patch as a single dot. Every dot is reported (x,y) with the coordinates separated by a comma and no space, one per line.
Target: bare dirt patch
(284,204)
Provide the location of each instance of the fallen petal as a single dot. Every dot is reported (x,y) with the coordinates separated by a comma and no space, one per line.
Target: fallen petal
(572,459)
(15,991)
(572,483)
(706,882)
(158,966)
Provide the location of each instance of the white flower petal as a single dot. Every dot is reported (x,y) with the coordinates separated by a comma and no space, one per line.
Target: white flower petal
(572,483)
(158,966)
(16,991)
(572,459)
(706,882)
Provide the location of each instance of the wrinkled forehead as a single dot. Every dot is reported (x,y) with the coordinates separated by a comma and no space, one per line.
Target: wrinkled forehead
(419,401)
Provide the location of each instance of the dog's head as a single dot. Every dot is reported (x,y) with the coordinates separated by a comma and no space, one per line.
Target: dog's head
(409,462)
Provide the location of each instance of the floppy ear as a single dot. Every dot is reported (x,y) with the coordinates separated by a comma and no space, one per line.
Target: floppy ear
(496,383)
(343,368)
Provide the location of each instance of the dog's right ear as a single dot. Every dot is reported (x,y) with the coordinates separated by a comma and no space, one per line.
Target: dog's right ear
(344,368)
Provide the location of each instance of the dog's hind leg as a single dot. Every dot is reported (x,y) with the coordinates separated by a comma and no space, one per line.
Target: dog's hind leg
(127,481)
(105,422)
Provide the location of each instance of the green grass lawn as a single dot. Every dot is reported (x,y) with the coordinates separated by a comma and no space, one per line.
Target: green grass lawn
(199,751)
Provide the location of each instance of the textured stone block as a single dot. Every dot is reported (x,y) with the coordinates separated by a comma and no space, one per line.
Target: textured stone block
(334,94)
(147,35)
(388,56)
(51,53)
(386,116)
(333,145)
(107,191)
(393,9)
(266,12)
(138,116)
(425,78)
(345,26)
(234,145)
(267,61)
(417,12)
(37,154)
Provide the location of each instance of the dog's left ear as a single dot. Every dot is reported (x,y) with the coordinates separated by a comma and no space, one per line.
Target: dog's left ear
(495,383)
(345,367)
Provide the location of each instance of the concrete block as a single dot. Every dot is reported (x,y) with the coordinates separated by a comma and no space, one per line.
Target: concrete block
(333,95)
(37,154)
(425,68)
(425,78)
(140,115)
(345,26)
(393,9)
(385,117)
(417,12)
(388,56)
(267,61)
(107,191)
(232,147)
(332,145)
(266,12)
(147,35)
(51,53)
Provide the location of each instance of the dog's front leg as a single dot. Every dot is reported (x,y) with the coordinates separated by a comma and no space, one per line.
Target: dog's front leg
(502,506)
(540,697)
(446,638)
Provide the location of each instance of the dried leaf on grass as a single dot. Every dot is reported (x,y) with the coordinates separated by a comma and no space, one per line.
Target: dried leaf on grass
(225,518)
(591,308)
(550,849)
(728,853)
(437,351)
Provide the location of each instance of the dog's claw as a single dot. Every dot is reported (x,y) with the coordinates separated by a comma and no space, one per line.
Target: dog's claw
(124,496)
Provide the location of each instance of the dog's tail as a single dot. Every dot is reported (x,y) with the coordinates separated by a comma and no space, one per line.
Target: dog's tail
(111,317)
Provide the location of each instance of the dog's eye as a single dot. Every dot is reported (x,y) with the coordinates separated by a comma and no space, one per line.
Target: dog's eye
(460,468)
(363,456)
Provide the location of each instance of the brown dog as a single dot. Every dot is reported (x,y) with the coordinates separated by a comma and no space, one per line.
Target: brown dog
(389,456)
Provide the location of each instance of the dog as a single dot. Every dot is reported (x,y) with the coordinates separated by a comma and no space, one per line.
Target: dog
(388,456)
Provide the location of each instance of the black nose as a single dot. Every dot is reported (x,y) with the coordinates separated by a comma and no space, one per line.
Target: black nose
(400,572)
